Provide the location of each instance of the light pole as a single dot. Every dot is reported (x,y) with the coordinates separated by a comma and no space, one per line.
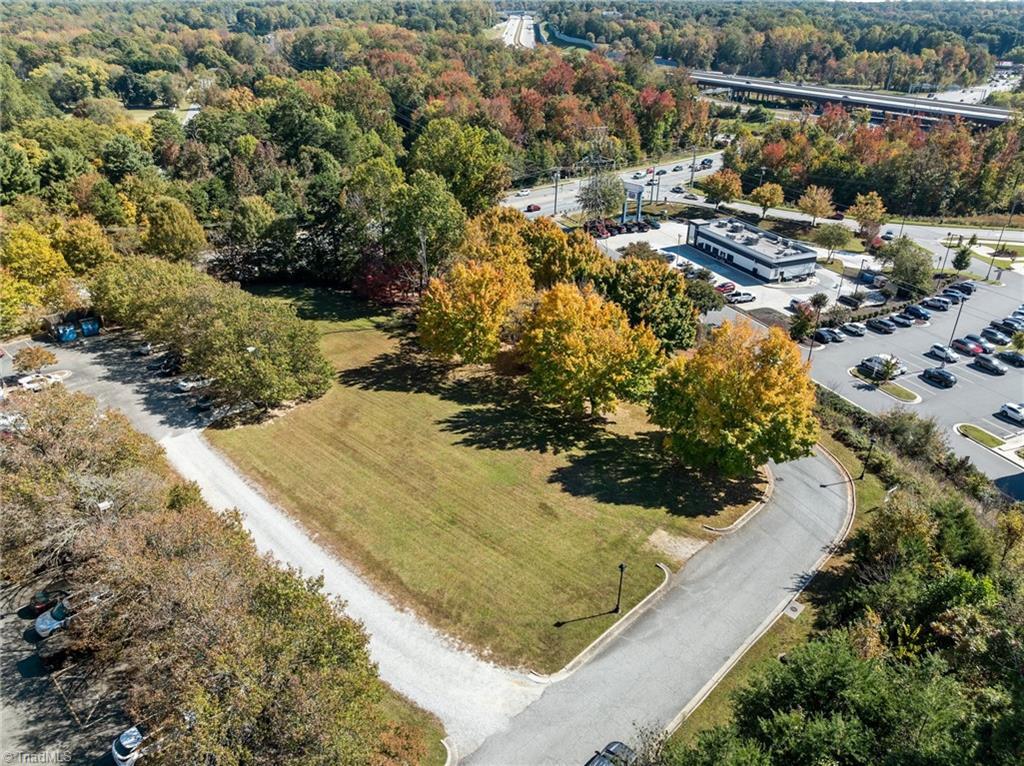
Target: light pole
(864,465)
(949,241)
(556,175)
(618,597)
(693,165)
(1002,231)
(956,322)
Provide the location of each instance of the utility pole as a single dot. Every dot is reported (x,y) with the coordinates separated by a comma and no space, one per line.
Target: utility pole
(556,175)
(693,165)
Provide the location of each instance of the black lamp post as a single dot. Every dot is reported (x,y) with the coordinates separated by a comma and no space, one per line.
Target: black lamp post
(949,241)
(864,465)
(618,597)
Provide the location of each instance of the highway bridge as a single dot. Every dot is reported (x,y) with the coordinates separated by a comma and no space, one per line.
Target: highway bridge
(879,103)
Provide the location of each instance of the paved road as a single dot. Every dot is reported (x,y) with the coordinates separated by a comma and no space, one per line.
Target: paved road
(722,596)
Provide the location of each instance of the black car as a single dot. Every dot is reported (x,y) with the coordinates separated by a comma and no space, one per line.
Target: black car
(953,296)
(1011,357)
(820,336)
(993,335)
(939,376)
(883,326)
(988,364)
(967,288)
(851,301)
(614,754)
(1009,325)
(917,312)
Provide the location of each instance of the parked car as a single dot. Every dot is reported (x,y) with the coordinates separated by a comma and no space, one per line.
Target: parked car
(1008,325)
(953,296)
(1013,411)
(875,366)
(855,329)
(726,287)
(850,300)
(48,596)
(129,746)
(901,368)
(834,335)
(523,193)
(986,346)
(690,195)
(937,302)
(943,353)
(990,364)
(917,312)
(652,223)
(144,349)
(966,347)
(993,335)
(797,305)
(614,754)
(740,297)
(532,208)
(37,381)
(901,321)
(940,376)
(191,384)
(967,288)
(820,336)
(678,189)
(883,326)
(54,618)
(1012,357)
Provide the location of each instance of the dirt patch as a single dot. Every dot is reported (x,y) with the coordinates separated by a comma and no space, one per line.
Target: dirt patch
(677,547)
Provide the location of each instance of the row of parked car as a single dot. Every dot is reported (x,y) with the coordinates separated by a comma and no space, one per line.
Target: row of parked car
(600,229)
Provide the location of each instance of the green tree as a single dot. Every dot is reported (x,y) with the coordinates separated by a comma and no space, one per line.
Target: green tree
(742,399)
(962,259)
(582,352)
(250,221)
(832,236)
(767,195)
(703,295)
(723,186)
(653,294)
(174,234)
(602,195)
(83,244)
(1017,341)
(429,224)
(471,160)
(122,156)
(911,265)
(16,174)
(554,256)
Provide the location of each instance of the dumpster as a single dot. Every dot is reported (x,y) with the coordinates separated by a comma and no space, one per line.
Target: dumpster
(89,326)
(65,333)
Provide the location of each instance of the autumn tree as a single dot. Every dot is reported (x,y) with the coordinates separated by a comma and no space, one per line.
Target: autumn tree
(602,195)
(470,159)
(723,186)
(742,399)
(832,236)
(816,201)
(869,212)
(32,358)
(83,244)
(582,351)
(174,234)
(653,294)
(462,314)
(555,256)
(766,196)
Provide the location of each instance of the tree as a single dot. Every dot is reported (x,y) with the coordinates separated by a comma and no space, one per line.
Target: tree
(653,294)
(32,358)
(911,265)
(471,160)
(703,295)
(869,212)
(962,259)
(122,156)
(582,351)
(832,236)
(766,196)
(462,315)
(742,399)
(83,244)
(1017,340)
(250,221)
(16,175)
(30,256)
(723,186)
(555,256)
(602,195)
(174,233)
(429,224)
(816,201)
(801,324)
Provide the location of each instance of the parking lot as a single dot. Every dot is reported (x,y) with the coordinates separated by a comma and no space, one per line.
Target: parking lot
(977,396)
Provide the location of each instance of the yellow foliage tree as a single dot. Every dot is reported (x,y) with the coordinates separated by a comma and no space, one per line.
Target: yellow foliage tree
(554,256)
(462,315)
(740,400)
(869,212)
(582,351)
(29,256)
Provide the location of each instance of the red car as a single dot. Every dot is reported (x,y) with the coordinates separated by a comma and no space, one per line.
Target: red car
(725,288)
(532,208)
(967,347)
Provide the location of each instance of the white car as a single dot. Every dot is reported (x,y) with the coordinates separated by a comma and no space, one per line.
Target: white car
(37,381)
(523,193)
(943,353)
(855,329)
(740,298)
(127,748)
(54,618)
(1014,412)
(191,384)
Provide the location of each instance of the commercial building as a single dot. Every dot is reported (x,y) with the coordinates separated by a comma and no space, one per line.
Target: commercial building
(762,253)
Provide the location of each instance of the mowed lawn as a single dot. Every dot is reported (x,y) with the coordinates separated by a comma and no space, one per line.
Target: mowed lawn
(493,518)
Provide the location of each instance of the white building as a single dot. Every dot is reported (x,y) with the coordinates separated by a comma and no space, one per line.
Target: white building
(762,253)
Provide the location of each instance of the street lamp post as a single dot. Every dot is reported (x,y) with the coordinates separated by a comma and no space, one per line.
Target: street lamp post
(618,597)
(864,465)
(556,175)
(956,322)
(949,242)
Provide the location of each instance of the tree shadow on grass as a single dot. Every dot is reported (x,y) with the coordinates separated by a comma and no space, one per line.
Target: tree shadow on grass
(632,470)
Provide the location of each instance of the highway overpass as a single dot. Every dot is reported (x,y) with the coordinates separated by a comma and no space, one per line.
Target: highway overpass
(879,103)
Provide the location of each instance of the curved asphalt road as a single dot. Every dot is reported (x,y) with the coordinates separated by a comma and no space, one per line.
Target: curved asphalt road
(723,596)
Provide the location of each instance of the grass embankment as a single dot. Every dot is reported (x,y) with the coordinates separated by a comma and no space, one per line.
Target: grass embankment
(787,633)
(893,389)
(491,517)
(980,435)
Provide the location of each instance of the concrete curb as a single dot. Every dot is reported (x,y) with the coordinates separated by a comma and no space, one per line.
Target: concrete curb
(878,387)
(722,672)
(599,643)
(452,757)
(1007,450)
(750,512)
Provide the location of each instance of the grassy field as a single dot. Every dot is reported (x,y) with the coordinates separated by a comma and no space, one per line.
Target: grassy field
(492,517)
(980,435)
(893,389)
(787,633)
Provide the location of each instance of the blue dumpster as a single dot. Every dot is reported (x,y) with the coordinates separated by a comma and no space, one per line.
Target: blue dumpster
(65,333)
(89,326)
